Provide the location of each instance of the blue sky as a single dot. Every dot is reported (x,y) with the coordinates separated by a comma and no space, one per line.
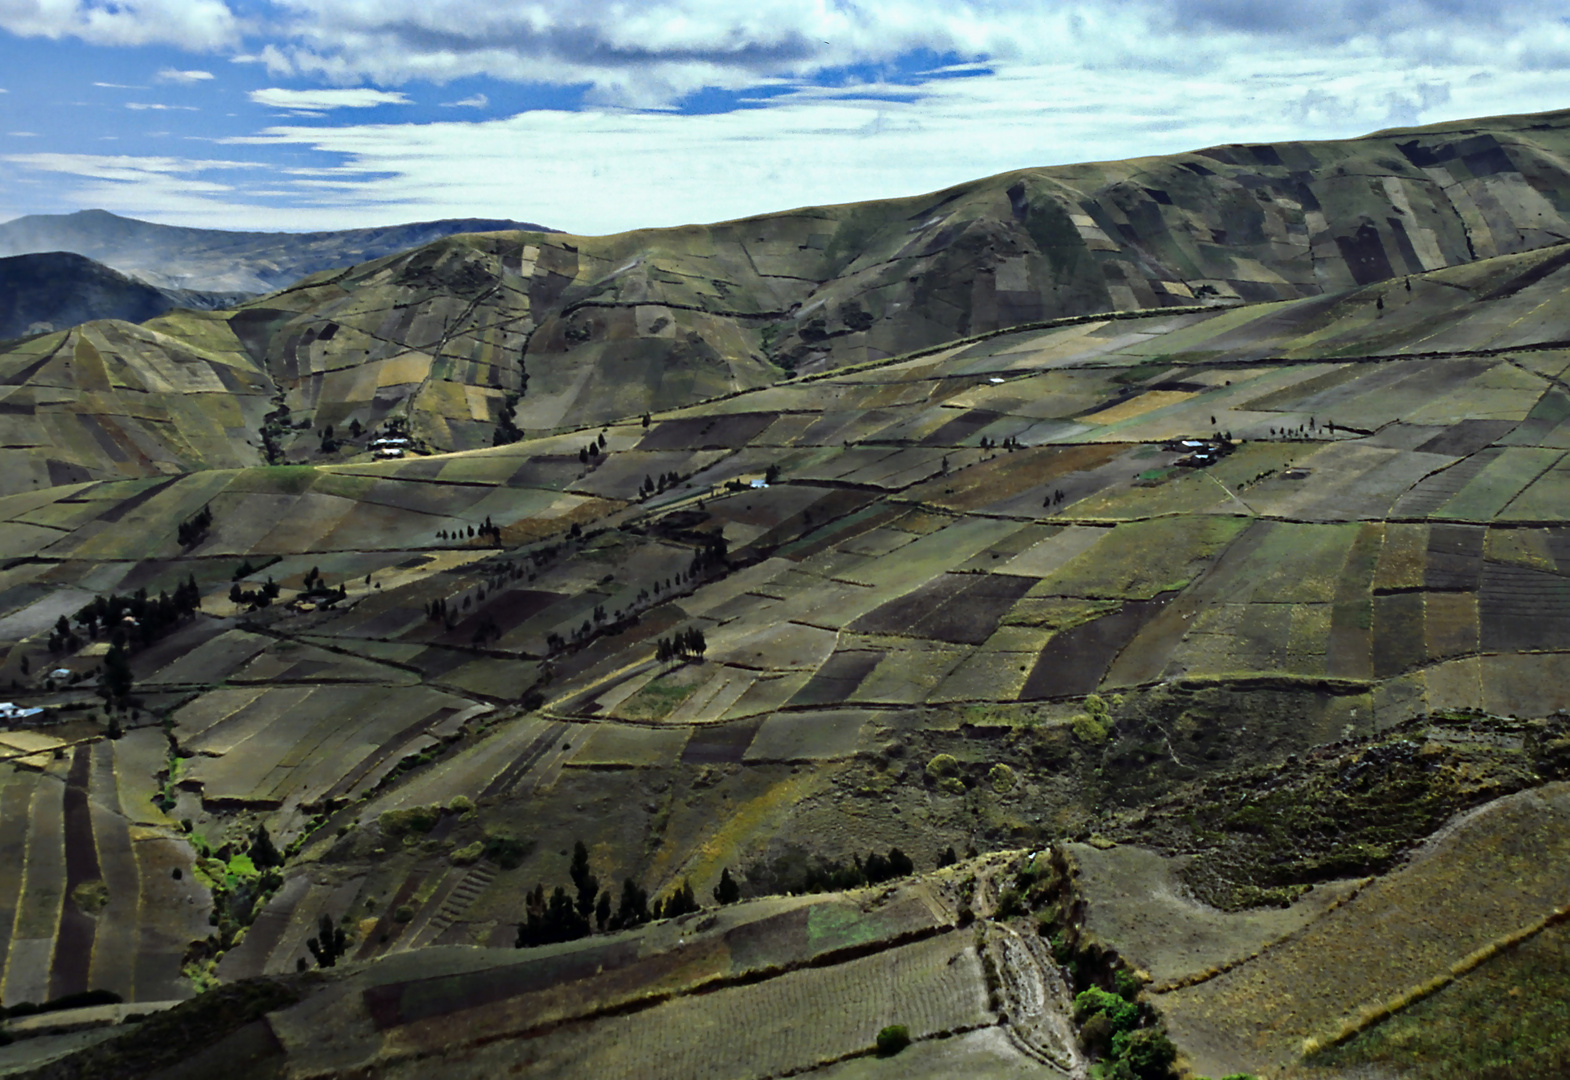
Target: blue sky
(598,117)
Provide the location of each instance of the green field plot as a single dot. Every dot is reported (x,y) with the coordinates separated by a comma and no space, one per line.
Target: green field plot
(1544,499)
(782,647)
(808,736)
(908,672)
(1300,563)
(1463,1031)
(933,553)
(1140,559)
(614,746)
(659,697)
(1498,485)
(987,675)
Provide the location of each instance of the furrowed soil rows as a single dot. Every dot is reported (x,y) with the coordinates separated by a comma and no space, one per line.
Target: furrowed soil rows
(778,1026)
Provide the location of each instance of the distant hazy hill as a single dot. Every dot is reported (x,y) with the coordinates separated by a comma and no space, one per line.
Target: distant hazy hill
(58,289)
(219,260)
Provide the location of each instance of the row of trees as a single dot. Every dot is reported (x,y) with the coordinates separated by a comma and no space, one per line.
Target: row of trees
(252,599)
(485,530)
(565,915)
(794,871)
(194,531)
(653,486)
(687,645)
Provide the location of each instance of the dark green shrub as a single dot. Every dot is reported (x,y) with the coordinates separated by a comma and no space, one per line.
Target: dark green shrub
(506,852)
(1127,984)
(1148,1053)
(893,1039)
(1121,1014)
(1096,1035)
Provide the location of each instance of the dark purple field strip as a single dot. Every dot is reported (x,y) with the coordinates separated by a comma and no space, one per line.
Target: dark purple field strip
(1075,661)
(838,678)
(971,617)
(120,509)
(1467,437)
(508,609)
(1455,557)
(726,432)
(651,624)
(1519,608)
(421,999)
(720,744)
(900,615)
(538,747)
(73,956)
(961,427)
(843,530)
(1398,634)
(835,505)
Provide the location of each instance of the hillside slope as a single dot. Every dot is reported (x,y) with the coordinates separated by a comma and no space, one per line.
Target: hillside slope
(470,334)
(1272,591)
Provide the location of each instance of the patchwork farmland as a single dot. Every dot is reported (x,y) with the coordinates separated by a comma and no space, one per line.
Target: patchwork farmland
(1080,608)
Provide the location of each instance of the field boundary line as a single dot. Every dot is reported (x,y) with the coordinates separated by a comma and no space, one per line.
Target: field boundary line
(1374,1014)
(831,958)
(1182,982)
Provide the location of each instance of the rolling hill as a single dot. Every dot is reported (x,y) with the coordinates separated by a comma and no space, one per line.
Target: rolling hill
(1205,656)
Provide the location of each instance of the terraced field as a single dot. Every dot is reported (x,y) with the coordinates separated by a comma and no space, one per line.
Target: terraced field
(1033,584)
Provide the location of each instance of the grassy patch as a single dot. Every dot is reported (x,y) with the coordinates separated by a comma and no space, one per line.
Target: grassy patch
(1510,1018)
(659,699)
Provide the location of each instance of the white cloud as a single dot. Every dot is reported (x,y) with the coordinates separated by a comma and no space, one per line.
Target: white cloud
(142,106)
(359,98)
(184,78)
(652,53)
(610,170)
(202,25)
(474,101)
(23,134)
(118,86)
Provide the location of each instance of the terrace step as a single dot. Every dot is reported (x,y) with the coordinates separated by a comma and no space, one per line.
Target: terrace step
(459,898)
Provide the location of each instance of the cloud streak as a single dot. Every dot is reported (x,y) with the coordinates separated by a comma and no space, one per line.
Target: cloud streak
(360,98)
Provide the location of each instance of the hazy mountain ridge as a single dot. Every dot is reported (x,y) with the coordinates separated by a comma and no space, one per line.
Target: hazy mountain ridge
(59,289)
(217,259)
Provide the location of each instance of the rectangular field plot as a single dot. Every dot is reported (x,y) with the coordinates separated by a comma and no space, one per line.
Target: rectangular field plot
(302,743)
(615,746)
(776,1027)
(1075,660)
(963,609)
(808,736)
(1143,558)
(909,672)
